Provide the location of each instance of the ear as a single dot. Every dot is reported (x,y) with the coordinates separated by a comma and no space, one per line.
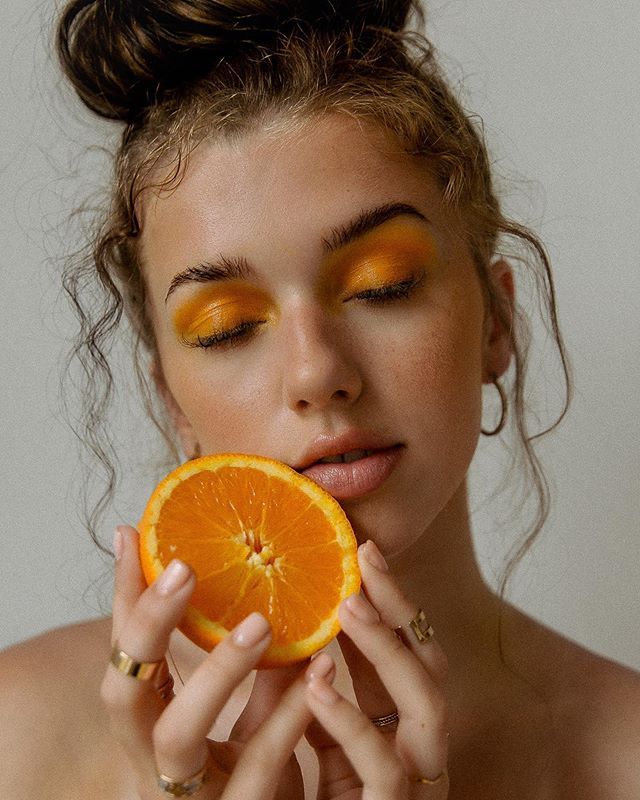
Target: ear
(182,426)
(498,347)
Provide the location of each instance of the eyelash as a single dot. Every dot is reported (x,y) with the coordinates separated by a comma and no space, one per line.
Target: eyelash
(384,294)
(376,296)
(229,338)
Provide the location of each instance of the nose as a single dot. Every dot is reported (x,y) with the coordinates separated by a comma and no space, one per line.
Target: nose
(319,367)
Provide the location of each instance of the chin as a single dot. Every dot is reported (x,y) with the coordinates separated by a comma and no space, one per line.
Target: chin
(393,531)
(396,523)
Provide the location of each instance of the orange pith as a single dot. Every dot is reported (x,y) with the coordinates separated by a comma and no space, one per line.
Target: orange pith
(260,537)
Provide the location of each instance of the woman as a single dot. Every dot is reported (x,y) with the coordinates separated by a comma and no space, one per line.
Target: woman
(304,238)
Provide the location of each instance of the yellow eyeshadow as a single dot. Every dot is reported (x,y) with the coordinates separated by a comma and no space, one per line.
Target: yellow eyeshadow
(376,271)
(383,258)
(220,308)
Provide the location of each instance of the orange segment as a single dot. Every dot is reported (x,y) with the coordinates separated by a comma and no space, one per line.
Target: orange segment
(260,537)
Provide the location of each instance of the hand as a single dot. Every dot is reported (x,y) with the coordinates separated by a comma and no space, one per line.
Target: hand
(358,760)
(169,735)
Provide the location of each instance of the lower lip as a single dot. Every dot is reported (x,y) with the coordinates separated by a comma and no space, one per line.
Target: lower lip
(346,481)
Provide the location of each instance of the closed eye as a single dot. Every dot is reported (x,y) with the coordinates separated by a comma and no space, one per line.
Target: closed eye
(227,338)
(394,291)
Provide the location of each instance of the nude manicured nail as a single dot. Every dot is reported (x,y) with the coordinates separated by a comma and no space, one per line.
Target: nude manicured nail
(174,576)
(323,691)
(118,544)
(251,630)
(361,609)
(375,557)
(320,667)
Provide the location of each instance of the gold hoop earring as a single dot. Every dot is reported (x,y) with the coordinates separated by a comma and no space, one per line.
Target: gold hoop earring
(503,410)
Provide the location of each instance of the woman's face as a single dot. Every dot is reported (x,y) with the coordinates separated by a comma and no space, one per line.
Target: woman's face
(311,296)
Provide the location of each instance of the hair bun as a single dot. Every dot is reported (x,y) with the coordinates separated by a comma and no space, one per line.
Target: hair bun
(121,55)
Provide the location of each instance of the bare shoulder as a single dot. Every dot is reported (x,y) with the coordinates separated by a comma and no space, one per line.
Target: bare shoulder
(50,706)
(600,714)
(595,706)
(56,662)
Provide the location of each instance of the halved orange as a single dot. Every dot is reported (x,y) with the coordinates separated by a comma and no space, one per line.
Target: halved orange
(260,537)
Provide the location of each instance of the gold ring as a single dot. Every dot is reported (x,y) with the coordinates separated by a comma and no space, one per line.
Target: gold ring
(419,625)
(388,719)
(140,670)
(183,788)
(431,781)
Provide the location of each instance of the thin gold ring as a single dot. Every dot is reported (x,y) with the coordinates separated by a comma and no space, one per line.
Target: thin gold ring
(431,781)
(185,788)
(388,719)
(140,670)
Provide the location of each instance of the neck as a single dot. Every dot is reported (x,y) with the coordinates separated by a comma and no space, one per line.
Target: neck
(439,572)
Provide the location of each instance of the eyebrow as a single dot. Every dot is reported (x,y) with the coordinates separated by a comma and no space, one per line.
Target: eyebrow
(366,221)
(228,268)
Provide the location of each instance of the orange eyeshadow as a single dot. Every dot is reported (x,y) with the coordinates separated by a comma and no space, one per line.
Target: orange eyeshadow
(391,255)
(218,308)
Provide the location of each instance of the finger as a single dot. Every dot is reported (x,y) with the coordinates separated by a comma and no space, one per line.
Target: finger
(335,769)
(378,583)
(180,734)
(421,702)
(371,755)
(269,751)
(129,581)
(268,687)
(396,610)
(133,704)
(371,694)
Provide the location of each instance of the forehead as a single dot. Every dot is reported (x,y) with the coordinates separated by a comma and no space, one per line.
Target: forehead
(283,189)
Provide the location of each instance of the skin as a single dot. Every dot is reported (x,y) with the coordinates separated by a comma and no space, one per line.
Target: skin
(323,365)
(548,720)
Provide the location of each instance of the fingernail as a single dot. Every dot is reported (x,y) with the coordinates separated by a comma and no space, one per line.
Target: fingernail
(118,543)
(174,576)
(375,557)
(361,609)
(251,630)
(323,691)
(320,667)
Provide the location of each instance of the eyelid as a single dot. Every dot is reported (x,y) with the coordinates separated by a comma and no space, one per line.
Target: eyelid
(221,310)
(409,283)
(226,338)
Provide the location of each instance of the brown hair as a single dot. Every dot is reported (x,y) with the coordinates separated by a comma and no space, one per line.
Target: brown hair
(179,71)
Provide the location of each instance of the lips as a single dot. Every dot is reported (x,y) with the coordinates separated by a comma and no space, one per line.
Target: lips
(346,458)
(350,465)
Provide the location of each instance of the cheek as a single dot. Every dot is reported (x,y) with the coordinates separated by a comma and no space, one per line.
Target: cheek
(228,405)
(441,363)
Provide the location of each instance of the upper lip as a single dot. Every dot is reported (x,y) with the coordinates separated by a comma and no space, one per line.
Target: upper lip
(325,446)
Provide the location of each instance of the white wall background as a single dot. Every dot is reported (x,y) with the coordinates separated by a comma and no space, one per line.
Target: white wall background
(557,86)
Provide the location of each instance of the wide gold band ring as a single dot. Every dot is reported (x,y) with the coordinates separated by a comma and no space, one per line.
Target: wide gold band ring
(140,670)
(185,788)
